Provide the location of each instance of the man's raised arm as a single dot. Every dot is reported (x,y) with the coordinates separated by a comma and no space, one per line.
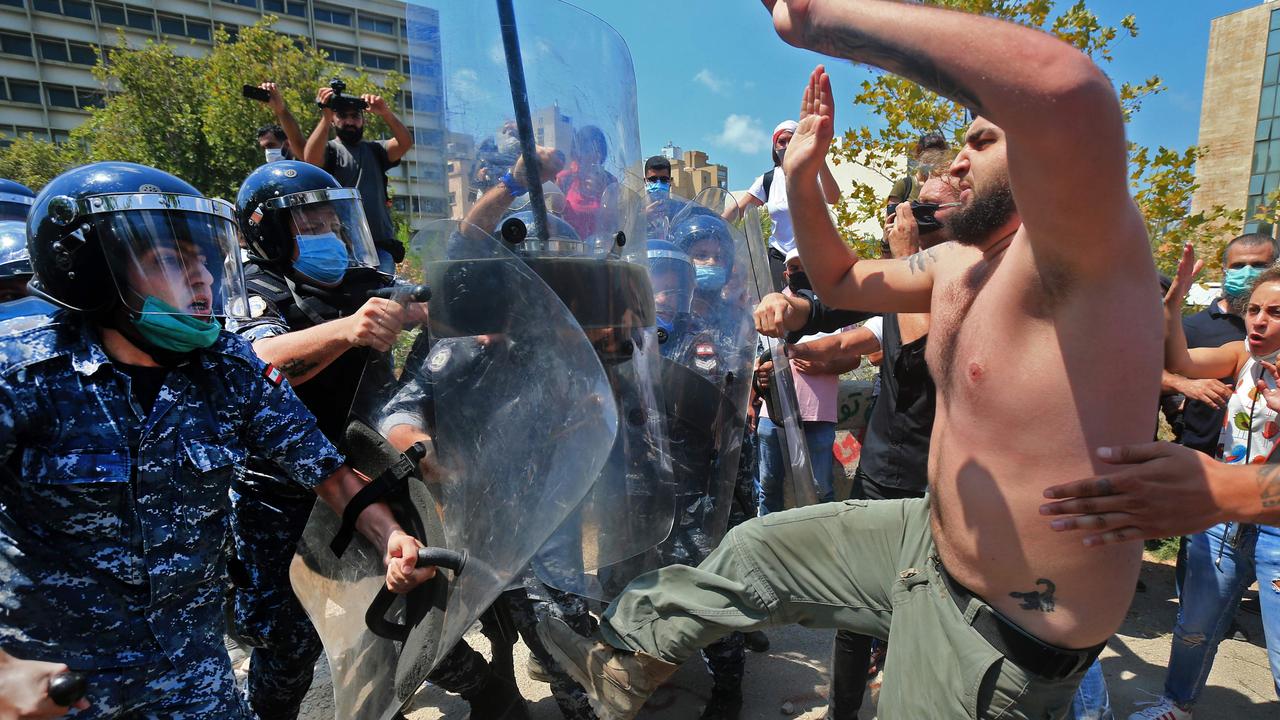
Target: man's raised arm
(1058,112)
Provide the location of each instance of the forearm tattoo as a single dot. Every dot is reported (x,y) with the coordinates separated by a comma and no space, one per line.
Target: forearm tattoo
(1269,486)
(1040,600)
(297,367)
(860,46)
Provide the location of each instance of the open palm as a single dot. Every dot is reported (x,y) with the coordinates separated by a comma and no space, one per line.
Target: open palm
(1188,268)
(812,139)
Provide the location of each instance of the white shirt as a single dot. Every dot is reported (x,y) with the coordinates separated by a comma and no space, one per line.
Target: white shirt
(876,326)
(783,237)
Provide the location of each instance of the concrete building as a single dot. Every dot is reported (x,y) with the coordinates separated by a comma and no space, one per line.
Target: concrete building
(1240,113)
(691,173)
(670,151)
(47,53)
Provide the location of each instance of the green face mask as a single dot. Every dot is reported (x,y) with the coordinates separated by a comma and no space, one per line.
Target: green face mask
(164,326)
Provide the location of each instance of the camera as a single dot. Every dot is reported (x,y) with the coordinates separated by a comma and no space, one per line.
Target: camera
(253,92)
(923,212)
(338,102)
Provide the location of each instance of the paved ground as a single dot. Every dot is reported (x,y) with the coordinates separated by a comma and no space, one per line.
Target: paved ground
(791,680)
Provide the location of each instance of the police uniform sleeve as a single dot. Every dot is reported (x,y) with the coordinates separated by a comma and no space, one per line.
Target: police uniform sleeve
(282,429)
(11,417)
(265,320)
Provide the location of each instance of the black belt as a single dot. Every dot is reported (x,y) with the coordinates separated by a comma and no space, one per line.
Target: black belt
(1027,652)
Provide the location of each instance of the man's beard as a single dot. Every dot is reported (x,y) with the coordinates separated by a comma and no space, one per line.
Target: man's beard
(974,223)
(350,135)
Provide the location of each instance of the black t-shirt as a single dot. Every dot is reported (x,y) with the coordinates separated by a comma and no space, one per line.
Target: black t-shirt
(1211,327)
(895,452)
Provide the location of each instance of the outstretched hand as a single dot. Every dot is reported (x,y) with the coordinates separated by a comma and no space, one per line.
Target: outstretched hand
(1188,268)
(808,149)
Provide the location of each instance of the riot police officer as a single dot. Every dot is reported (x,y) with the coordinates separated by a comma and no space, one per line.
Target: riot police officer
(125,416)
(312,267)
(16,200)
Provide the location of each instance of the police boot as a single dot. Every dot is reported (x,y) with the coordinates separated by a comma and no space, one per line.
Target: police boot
(725,703)
(617,682)
(497,698)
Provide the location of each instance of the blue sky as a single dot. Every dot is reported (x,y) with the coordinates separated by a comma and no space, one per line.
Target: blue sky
(712,75)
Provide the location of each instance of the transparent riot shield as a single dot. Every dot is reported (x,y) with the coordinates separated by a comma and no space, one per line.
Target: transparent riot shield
(707,341)
(784,409)
(505,417)
(536,109)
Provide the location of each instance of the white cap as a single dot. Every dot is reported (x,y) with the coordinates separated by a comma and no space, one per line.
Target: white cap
(784,126)
(792,254)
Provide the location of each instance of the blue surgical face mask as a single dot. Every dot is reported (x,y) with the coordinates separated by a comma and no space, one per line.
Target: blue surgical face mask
(711,278)
(1239,281)
(322,258)
(657,189)
(164,326)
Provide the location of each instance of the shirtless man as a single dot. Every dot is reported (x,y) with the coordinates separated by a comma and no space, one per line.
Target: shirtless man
(989,612)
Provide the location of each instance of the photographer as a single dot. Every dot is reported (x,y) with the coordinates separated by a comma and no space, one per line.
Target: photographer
(359,163)
(282,140)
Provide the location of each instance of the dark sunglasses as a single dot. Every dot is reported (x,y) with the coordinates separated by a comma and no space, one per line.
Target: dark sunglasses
(663,180)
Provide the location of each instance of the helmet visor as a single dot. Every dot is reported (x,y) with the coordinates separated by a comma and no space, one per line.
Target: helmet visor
(14,260)
(333,220)
(175,261)
(15,207)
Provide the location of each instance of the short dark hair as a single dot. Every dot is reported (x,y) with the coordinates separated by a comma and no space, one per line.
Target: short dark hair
(1253,239)
(657,162)
(275,130)
(931,141)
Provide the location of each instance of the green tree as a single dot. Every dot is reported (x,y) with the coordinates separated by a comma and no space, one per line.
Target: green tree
(1163,180)
(187,116)
(34,162)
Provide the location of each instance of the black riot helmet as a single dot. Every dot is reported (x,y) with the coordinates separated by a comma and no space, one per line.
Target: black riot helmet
(521,231)
(298,219)
(113,233)
(16,200)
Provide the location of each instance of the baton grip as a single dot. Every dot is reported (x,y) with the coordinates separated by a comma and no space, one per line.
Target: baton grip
(416,293)
(66,688)
(376,616)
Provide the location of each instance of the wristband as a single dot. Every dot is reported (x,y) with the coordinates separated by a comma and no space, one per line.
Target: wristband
(513,186)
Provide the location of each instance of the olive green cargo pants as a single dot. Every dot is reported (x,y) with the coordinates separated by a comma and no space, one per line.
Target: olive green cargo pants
(863,565)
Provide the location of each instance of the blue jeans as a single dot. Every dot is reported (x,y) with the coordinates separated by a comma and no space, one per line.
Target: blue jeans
(819,437)
(1092,701)
(1218,571)
(386,263)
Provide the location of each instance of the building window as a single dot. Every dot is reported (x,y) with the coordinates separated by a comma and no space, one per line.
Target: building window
(82,54)
(61,96)
(1265,176)
(110,14)
(141,19)
(22,91)
(337,54)
(55,50)
(90,98)
(15,44)
(49,6)
(13,3)
(77,9)
(276,6)
(199,30)
(245,3)
(172,25)
(332,15)
(375,60)
(378,24)
(296,9)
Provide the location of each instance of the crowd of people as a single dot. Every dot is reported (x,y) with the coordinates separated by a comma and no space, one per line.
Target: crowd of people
(179,376)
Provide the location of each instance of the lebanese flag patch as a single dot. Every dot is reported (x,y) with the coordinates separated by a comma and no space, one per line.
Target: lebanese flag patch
(273,374)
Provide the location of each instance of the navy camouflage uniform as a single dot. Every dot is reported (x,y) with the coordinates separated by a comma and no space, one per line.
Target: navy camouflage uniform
(113,521)
(269,517)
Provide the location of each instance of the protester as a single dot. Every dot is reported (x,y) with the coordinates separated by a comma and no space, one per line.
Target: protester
(951,600)
(1226,558)
(359,163)
(586,185)
(770,190)
(282,140)
(817,395)
(931,154)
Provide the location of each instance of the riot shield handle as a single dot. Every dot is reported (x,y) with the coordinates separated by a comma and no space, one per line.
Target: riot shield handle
(376,616)
(68,687)
(416,293)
